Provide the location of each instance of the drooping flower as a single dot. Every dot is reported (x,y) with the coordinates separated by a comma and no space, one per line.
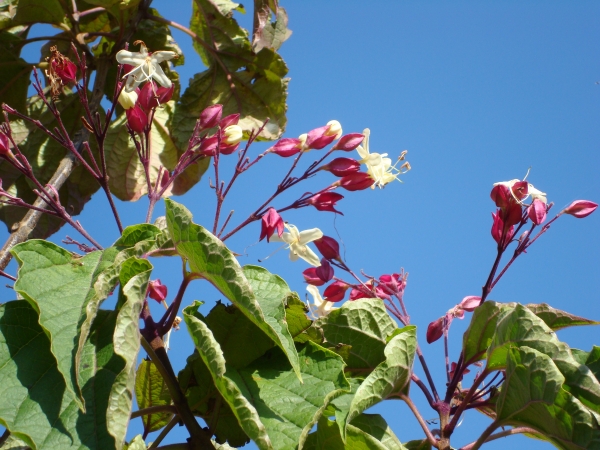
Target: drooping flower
(146,66)
(319,307)
(297,243)
(271,221)
(326,201)
(156,290)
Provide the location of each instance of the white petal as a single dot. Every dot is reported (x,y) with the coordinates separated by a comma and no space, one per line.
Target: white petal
(285,237)
(307,236)
(131,58)
(159,75)
(362,152)
(317,299)
(308,255)
(163,55)
(294,256)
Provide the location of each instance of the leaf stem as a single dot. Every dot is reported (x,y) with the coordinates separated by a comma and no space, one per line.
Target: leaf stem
(485,435)
(432,440)
(166,430)
(153,410)
(455,418)
(501,434)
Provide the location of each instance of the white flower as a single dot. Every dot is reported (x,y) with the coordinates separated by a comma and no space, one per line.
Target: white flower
(319,307)
(297,243)
(146,66)
(536,194)
(378,165)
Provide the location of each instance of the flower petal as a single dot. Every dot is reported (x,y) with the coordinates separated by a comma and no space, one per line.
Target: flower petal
(159,75)
(163,55)
(131,58)
(307,236)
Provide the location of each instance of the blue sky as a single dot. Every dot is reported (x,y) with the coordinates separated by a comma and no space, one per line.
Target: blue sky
(477,92)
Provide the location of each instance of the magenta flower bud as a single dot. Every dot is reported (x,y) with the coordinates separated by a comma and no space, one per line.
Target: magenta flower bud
(498,228)
(324,271)
(65,69)
(286,147)
(318,138)
(341,167)
(4,145)
(208,146)
(470,303)
(435,330)
(513,214)
(311,277)
(501,195)
(137,119)
(326,201)
(165,94)
(336,291)
(211,116)
(355,182)
(271,222)
(148,97)
(157,291)
(229,120)
(581,208)
(356,294)
(349,142)
(228,149)
(165,178)
(537,211)
(328,247)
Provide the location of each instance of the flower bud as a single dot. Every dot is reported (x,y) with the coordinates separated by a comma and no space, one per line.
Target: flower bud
(148,97)
(499,228)
(513,214)
(62,67)
(334,128)
(137,119)
(349,142)
(128,99)
(355,182)
(470,303)
(324,271)
(435,330)
(341,167)
(208,146)
(231,119)
(356,294)
(537,212)
(271,221)
(232,135)
(581,208)
(4,144)
(157,291)
(336,291)
(328,247)
(287,147)
(326,201)
(228,149)
(165,94)
(311,277)
(318,138)
(211,116)
(501,195)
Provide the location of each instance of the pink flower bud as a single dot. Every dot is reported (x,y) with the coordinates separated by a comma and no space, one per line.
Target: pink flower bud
(501,195)
(147,98)
(435,330)
(211,116)
(229,120)
(537,211)
(208,146)
(165,94)
(137,119)
(326,201)
(311,277)
(336,291)
(355,182)
(581,208)
(228,149)
(318,138)
(470,303)
(349,142)
(271,222)
(324,271)
(498,228)
(341,167)
(4,144)
(512,214)
(287,147)
(64,69)
(328,247)
(357,294)
(157,291)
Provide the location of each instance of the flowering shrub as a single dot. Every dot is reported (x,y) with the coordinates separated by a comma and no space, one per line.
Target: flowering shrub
(267,366)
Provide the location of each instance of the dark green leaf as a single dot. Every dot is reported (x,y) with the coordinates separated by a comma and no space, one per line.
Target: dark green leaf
(593,361)
(300,326)
(557,319)
(365,325)
(478,336)
(15,71)
(137,233)
(418,445)
(208,257)
(151,390)
(36,11)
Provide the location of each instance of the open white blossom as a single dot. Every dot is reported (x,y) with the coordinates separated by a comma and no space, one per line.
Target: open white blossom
(379,167)
(318,307)
(297,243)
(146,66)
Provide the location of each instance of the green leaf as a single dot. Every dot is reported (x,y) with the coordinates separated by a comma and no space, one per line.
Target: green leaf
(300,326)
(271,34)
(532,396)
(137,443)
(519,327)
(365,325)
(208,257)
(15,71)
(44,154)
(418,445)
(557,319)
(13,443)
(374,425)
(478,336)
(151,390)
(273,407)
(60,300)
(391,377)
(137,233)
(25,12)
(593,361)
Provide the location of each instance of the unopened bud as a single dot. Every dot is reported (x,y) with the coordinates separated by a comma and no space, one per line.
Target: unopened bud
(137,119)
(328,247)
(318,138)
(537,212)
(128,99)
(341,167)
(324,271)
(148,98)
(287,147)
(208,146)
(581,208)
(211,116)
(311,277)
(336,291)
(349,142)
(157,291)
(355,182)
(231,119)
(334,128)
(435,330)
(4,144)
(232,135)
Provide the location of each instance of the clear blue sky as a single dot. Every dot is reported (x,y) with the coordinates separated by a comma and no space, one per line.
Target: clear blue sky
(477,92)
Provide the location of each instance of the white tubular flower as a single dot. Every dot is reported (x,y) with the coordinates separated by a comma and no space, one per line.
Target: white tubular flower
(146,66)
(319,307)
(379,167)
(297,243)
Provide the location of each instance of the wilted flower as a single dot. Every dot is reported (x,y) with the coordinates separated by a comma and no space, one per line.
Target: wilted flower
(470,302)
(297,243)
(146,66)
(271,221)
